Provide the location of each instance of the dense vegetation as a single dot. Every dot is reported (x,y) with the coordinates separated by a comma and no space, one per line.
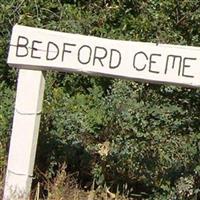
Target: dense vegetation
(143,139)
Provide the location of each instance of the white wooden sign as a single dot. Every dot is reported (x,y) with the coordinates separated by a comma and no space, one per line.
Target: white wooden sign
(41,49)
(36,49)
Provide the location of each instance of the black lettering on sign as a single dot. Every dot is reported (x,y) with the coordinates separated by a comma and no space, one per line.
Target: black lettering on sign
(102,54)
(142,56)
(82,52)
(151,61)
(187,66)
(22,43)
(54,46)
(65,50)
(174,59)
(113,54)
(33,49)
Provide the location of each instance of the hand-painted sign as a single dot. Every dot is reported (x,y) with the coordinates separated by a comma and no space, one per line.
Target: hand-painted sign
(43,49)
(33,48)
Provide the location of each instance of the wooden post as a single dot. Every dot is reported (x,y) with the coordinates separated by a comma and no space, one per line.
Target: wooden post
(28,106)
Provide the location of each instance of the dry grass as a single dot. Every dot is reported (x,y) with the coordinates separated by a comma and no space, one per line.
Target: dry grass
(2,175)
(64,187)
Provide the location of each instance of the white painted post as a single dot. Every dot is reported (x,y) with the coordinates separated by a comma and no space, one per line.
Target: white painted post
(28,106)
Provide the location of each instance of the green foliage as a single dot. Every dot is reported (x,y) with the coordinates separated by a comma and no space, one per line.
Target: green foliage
(6,108)
(113,131)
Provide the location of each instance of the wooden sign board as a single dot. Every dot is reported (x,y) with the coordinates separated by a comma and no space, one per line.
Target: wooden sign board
(35,48)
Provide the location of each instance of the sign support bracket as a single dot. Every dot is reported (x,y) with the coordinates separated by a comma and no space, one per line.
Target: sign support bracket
(23,144)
